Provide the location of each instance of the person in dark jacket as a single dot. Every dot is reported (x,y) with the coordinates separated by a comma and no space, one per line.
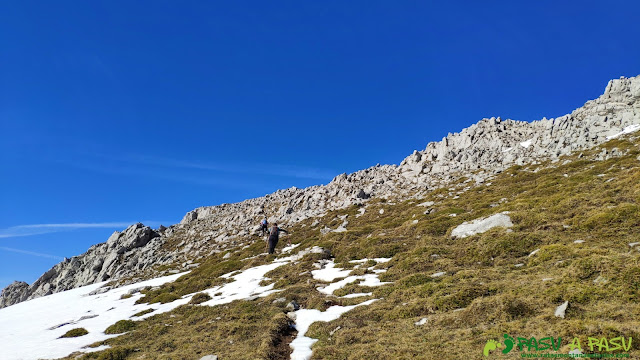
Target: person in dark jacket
(264,226)
(274,235)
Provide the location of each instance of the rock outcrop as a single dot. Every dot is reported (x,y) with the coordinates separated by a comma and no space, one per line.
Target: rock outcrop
(478,152)
(123,254)
(494,144)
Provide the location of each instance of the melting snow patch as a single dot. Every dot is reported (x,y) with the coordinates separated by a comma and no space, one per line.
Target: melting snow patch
(526,144)
(381,211)
(634,244)
(482,225)
(507,149)
(438,274)
(628,130)
(246,285)
(378,260)
(29,330)
(368,280)
(287,249)
(578,242)
(357,295)
(533,252)
(301,345)
(360,212)
(329,272)
(421,322)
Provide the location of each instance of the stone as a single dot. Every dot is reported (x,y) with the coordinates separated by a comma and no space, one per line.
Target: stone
(293,306)
(561,310)
(482,225)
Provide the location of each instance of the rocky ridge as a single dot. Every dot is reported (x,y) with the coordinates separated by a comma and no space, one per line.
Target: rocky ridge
(478,152)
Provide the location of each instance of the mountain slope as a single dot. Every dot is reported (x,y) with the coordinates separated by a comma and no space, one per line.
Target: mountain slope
(478,152)
(574,239)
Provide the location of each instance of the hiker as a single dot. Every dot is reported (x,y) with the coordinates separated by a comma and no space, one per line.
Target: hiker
(264,226)
(274,234)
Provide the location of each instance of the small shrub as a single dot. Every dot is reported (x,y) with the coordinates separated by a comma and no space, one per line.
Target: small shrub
(125,296)
(199,298)
(121,327)
(116,353)
(143,312)
(75,333)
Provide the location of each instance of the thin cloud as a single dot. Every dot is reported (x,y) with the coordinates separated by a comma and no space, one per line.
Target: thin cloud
(294,171)
(32,253)
(37,229)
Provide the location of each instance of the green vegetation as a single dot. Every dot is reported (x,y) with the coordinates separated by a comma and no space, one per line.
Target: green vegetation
(116,353)
(75,333)
(121,327)
(199,298)
(482,296)
(143,312)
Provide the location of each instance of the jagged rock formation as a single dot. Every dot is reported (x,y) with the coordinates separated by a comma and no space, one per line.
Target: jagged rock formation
(478,152)
(494,144)
(123,253)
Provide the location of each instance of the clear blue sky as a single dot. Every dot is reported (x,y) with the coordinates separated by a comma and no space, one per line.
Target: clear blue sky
(113,112)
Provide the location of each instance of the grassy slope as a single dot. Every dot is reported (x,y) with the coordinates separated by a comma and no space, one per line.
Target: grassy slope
(482,296)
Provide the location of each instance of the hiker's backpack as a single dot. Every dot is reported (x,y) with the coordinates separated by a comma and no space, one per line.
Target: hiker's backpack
(263,222)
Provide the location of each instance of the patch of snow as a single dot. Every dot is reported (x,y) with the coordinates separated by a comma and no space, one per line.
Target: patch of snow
(29,330)
(246,285)
(287,249)
(634,244)
(300,254)
(482,225)
(329,272)
(526,144)
(414,222)
(507,149)
(361,212)
(519,265)
(438,274)
(381,211)
(378,260)
(357,295)
(560,310)
(578,242)
(453,215)
(547,279)
(421,322)
(533,252)
(628,130)
(301,345)
(367,280)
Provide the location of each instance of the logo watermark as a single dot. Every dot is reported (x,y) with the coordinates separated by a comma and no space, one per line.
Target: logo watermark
(534,348)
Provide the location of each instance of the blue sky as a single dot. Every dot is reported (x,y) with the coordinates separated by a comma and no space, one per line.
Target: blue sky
(113,112)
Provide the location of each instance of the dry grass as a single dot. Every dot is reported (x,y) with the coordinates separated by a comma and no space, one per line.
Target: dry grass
(483,294)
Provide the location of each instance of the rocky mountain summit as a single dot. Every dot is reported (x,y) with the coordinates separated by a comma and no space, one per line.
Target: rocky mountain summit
(477,152)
